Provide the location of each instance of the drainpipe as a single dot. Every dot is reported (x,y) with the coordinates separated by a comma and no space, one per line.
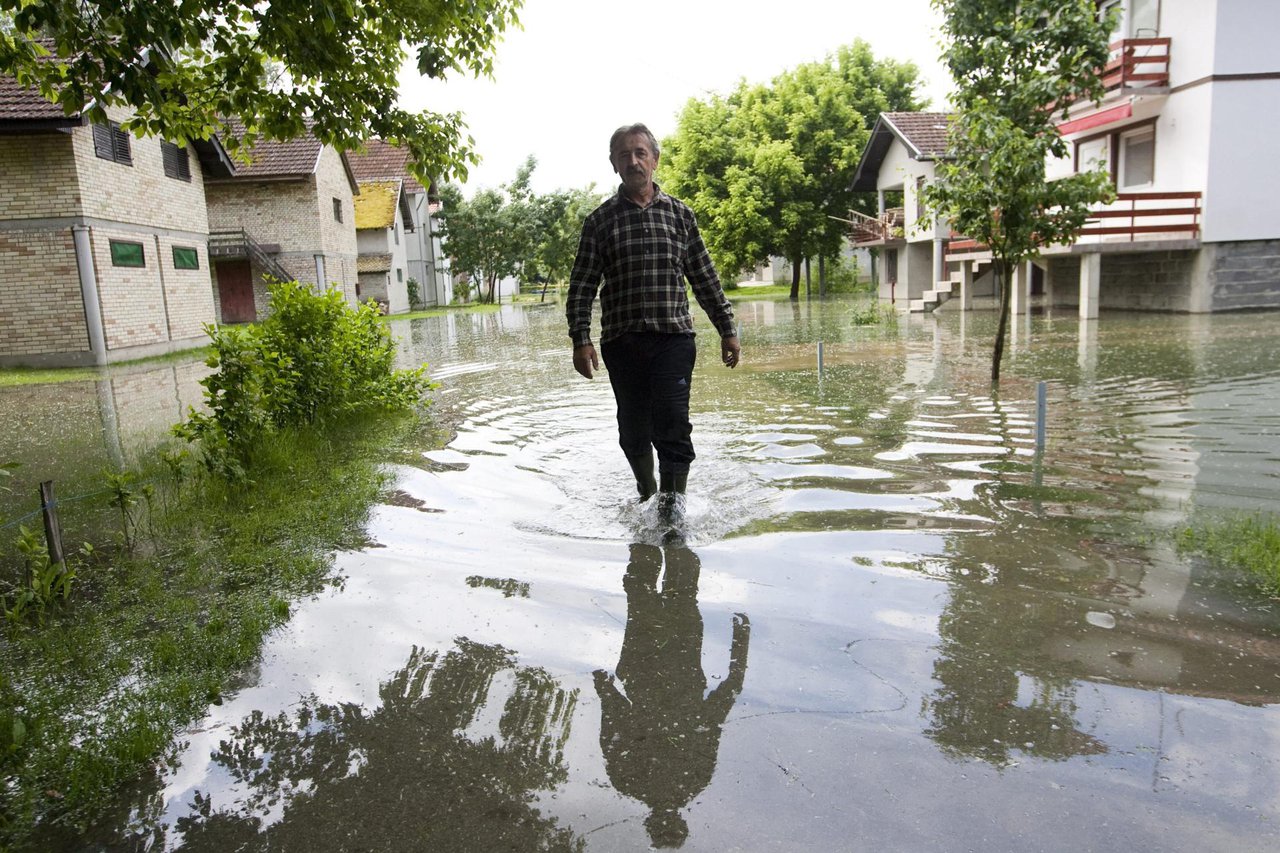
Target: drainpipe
(89,293)
(320,285)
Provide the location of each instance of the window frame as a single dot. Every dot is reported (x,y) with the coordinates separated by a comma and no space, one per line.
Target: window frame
(195,253)
(337,209)
(1123,136)
(118,259)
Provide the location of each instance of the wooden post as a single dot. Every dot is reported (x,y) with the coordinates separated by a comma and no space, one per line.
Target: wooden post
(52,530)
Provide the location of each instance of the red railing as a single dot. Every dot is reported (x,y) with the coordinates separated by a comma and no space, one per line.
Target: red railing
(1136,216)
(1136,64)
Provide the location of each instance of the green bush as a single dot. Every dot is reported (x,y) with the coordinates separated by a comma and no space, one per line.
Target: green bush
(313,359)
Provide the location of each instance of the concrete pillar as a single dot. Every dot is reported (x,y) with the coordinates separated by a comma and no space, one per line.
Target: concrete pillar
(1021,301)
(939,264)
(966,285)
(1090,280)
(1048,286)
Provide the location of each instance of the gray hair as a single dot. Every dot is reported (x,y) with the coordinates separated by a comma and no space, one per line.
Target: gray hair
(627,130)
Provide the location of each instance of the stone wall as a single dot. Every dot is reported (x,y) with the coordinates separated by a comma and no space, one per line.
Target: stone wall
(1244,275)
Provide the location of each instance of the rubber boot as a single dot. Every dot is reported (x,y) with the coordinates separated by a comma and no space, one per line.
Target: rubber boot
(642,467)
(671,496)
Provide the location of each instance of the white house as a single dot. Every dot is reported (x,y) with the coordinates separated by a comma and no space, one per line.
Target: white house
(1187,130)
(381,211)
(426,263)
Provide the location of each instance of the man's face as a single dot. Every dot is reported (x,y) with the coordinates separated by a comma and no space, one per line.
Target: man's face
(634,161)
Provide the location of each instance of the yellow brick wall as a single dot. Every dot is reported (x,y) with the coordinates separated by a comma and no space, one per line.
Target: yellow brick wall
(132,305)
(41,310)
(140,194)
(37,176)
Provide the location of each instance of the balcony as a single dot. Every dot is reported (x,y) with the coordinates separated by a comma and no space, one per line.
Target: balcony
(1138,63)
(1133,220)
(876,230)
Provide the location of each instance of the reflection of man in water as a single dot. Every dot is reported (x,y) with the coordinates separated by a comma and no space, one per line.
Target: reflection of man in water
(660,739)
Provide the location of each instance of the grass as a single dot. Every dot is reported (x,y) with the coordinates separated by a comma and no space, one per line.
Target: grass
(93,698)
(1250,543)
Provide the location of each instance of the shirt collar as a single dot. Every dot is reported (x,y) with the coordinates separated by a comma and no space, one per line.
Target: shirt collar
(659,197)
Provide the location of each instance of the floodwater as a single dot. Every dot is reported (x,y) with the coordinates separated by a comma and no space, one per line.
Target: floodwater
(892,624)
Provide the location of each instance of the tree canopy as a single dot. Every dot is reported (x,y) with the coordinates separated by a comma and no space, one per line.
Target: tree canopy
(512,231)
(186,68)
(765,167)
(1016,64)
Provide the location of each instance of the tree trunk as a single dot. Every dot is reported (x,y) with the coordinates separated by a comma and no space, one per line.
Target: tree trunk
(795,278)
(1005,286)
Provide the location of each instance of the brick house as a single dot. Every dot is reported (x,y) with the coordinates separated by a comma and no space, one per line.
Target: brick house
(288,213)
(103,237)
(382,211)
(426,262)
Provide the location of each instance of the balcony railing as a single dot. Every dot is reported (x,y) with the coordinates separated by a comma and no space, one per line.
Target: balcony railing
(1131,218)
(869,230)
(1136,64)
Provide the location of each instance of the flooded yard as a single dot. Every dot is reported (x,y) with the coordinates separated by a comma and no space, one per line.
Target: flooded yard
(892,623)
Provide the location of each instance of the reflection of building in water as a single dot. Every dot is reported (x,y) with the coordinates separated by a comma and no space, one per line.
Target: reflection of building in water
(420,772)
(660,739)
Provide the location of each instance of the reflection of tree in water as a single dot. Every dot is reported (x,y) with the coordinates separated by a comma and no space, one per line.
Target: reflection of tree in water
(661,738)
(405,776)
(991,634)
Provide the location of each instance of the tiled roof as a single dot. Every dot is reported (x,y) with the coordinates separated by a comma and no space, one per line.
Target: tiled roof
(382,160)
(20,103)
(269,158)
(373,263)
(925,132)
(376,204)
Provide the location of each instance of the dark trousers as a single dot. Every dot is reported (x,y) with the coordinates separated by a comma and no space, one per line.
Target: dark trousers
(651,373)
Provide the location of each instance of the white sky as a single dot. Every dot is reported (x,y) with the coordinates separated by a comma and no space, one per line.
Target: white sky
(580,68)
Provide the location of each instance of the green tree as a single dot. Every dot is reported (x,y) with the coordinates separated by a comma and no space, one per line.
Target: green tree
(185,68)
(1012,61)
(560,217)
(767,166)
(493,234)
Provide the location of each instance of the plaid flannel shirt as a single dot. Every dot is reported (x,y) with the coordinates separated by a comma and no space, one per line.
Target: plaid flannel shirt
(643,255)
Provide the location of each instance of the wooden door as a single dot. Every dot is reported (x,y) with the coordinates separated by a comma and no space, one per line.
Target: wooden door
(235,291)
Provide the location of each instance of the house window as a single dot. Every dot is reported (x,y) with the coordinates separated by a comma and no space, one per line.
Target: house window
(1138,157)
(920,209)
(127,254)
(395,231)
(337,210)
(399,275)
(112,143)
(1093,154)
(185,258)
(177,162)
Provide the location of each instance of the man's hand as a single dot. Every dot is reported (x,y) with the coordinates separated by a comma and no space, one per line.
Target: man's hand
(585,360)
(730,351)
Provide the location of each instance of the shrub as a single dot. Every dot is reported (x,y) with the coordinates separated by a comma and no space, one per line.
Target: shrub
(312,360)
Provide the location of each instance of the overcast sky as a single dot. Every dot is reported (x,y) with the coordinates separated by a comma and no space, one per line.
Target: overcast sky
(580,68)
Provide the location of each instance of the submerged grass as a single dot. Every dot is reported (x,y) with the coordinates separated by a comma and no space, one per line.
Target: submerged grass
(92,699)
(1247,542)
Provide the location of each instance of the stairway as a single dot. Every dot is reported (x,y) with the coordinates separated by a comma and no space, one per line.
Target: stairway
(238,244)
(933,298)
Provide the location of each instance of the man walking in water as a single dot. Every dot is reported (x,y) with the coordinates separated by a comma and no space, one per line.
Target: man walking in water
(637,249)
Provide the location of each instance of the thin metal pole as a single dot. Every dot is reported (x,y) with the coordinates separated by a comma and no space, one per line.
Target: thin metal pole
(1041,412)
